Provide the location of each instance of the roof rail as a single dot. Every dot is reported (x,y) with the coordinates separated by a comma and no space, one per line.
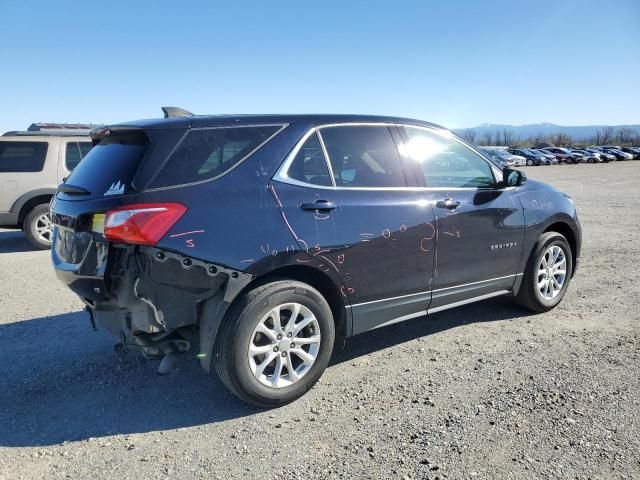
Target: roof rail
(47,133)
(45,126)
(172,112)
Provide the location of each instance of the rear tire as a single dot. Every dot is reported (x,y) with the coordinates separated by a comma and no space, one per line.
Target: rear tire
(258,359)
(544,286)
(37,227)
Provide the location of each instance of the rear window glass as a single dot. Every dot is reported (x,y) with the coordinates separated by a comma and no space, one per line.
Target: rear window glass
(109,168)
(75,152)
(208,153)
(22,156)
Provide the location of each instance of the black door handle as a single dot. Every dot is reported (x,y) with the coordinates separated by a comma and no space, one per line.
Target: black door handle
(448,203)
(319,206)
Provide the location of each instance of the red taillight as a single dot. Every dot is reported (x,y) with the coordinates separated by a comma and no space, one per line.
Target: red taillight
(141,224)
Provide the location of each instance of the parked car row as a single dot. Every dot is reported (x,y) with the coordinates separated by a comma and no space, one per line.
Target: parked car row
(519,156)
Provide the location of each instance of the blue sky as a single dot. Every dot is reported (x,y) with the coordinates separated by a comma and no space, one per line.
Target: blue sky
(457,63)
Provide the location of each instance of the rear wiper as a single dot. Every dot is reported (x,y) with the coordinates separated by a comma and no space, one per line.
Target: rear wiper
(73,190)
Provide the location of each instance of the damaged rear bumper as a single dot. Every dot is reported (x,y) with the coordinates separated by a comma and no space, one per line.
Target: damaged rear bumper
(153,300)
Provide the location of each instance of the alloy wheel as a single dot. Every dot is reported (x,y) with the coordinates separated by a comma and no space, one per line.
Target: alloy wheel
(284,345)
(42,228)
(552,272)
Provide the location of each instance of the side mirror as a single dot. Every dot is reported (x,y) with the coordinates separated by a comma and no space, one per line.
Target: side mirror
(513,178)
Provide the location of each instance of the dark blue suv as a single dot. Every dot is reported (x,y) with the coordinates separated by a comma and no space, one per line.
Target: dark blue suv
(259,243)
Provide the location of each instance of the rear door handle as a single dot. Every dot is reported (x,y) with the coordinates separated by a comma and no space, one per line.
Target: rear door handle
(319,206)
(448,203)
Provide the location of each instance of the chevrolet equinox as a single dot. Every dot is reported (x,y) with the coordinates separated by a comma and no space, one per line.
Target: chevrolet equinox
(259,243)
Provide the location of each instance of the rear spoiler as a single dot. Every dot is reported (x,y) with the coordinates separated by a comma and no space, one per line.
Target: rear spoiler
(100,134)
(169,112)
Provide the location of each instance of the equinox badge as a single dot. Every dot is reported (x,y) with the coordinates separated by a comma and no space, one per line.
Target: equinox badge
(504,245)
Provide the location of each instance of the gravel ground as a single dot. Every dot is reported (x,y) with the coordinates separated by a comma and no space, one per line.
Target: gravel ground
(483,391)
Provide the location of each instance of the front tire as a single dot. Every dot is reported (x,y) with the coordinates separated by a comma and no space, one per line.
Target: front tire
(37,227)
(275,342)
(547,275)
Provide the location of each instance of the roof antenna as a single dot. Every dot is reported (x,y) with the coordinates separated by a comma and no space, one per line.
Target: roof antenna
(172,112)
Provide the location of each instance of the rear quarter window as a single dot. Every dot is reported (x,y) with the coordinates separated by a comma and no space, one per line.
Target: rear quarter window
(208,153)
(22,156)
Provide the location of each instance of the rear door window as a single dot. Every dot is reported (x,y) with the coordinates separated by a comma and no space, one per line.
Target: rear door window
(363,156)
(211,152)
(22,156)
(75,152)
(109,167)
(310,164)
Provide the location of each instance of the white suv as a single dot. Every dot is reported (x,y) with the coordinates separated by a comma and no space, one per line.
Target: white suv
(32,165)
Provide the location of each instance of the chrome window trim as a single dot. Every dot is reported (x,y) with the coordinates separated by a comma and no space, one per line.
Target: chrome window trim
(327,160)
(281,173)
(234,166)
(433,291)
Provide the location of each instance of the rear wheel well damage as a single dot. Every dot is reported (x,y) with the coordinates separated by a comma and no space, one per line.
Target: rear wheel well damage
(565,230)
(321,282)
(214,309)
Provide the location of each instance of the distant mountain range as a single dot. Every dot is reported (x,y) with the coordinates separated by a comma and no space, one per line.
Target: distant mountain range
(526,131)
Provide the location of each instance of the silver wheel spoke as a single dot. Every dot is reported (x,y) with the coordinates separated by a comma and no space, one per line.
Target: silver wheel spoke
(254,350)
(262,328)
(303,323)
(304,356)
(295,311)
(267,360)
(560,263)
(275,378)
(293,376)
(306,340)
(275,315)
(42,228)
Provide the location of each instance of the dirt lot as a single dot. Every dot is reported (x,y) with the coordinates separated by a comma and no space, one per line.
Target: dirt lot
(484,391)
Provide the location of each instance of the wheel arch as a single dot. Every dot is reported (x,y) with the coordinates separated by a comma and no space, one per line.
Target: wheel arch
(567,232)
(322,282)
(24,204)
(214,310)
